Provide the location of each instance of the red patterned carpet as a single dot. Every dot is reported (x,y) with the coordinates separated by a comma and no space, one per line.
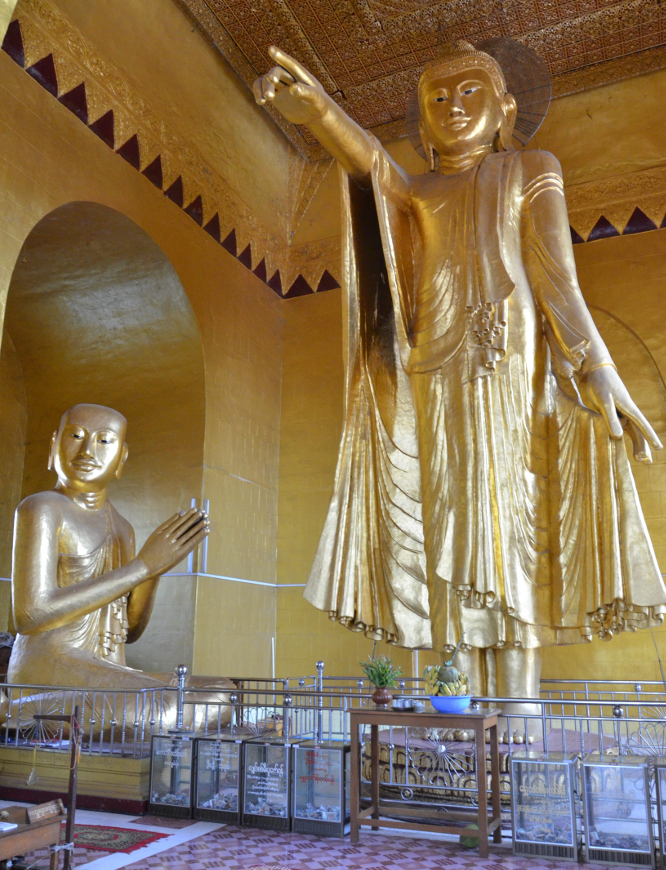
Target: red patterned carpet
(102,838)
(235,848)
(97,841)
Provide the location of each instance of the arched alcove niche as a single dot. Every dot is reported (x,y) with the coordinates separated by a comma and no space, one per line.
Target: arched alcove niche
(96,313)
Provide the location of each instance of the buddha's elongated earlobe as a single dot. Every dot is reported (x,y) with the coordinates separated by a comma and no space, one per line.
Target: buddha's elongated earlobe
(51,463)
(123,460)
(509,111)
(432,157)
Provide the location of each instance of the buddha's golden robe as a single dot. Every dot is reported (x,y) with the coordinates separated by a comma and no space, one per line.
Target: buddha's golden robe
(475,490)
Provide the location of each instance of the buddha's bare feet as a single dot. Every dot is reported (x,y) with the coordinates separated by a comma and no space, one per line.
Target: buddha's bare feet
(517,736)
(519,730)
(518,672)
(459,734)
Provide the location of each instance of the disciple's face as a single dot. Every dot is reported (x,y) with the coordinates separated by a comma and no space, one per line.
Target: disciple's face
(89,449)
(460,111)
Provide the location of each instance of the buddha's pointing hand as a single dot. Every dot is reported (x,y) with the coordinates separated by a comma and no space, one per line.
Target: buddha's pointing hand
(291,89)
(174,540)
(611,399)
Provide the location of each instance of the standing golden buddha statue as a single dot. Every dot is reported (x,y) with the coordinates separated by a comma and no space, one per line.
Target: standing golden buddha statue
(482,483)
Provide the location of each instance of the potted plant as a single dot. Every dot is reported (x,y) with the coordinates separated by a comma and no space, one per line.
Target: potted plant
(382,674)
(449,689)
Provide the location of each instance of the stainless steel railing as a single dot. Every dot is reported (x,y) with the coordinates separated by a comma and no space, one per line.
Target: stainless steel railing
(570,715)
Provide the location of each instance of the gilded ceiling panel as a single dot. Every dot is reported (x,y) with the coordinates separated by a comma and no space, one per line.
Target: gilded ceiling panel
(368,53)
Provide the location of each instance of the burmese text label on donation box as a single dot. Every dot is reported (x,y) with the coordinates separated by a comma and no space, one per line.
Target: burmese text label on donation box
(217,775)
(266,780)
(542,802)
(171,771)
(318,784)
(617,809)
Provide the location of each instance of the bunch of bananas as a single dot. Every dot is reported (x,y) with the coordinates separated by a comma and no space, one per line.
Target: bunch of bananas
(438,681)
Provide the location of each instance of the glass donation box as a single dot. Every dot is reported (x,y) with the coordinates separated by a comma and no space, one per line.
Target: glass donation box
(543,801)
(618,820)
(171,776)
(321,800)
(217,794)
(266,780)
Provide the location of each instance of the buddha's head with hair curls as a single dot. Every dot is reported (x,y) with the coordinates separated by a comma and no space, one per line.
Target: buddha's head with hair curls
(463,104)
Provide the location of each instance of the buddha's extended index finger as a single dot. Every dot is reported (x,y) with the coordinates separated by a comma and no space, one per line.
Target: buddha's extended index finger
(291,65)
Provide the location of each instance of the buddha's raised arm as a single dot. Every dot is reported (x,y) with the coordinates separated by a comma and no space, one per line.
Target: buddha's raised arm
(573,335)
(168,544)
(141,599)
(298,96)
(40,604)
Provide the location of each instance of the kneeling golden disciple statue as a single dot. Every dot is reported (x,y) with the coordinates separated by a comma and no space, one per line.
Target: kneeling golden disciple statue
(482,483)
(79,592)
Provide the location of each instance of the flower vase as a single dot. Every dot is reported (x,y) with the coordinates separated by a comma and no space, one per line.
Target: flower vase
(382,697)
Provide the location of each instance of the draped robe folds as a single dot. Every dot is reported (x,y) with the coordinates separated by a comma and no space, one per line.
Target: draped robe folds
(475,490)
(89,651)
(94,642)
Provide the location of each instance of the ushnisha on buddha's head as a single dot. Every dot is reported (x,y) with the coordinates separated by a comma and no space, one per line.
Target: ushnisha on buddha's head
(463,104)
(89,449)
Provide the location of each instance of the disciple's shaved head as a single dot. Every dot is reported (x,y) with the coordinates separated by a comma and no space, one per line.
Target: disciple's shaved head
(95,417)
(89,448)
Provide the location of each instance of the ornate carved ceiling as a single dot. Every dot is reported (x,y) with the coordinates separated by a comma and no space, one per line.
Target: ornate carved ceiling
(368,53)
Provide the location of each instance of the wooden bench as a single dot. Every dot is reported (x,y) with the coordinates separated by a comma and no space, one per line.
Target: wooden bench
(30,835)
(39,826)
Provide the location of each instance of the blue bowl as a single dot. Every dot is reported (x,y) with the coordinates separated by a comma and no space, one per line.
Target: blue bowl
(450,703)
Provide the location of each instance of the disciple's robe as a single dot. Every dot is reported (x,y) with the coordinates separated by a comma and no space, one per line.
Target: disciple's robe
(89,652)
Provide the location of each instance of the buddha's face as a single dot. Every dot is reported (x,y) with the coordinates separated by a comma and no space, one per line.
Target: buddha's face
(89,449)
(460,111)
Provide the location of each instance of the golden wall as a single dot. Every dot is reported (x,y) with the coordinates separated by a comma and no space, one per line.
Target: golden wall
(96,313)
(310,428)
(6,12)
(48,159)
(161,55)
(13,421)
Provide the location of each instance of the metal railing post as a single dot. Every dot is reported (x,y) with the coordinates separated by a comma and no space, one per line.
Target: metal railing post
(287,703)
(320,701)
(181,673)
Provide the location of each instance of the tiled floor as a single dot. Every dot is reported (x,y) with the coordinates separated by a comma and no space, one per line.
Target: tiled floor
(231,848)
(206,846)
(162,822)
(95,860)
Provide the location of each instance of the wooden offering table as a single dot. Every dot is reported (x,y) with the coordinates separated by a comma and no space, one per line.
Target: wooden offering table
(478,721)
(36,830)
